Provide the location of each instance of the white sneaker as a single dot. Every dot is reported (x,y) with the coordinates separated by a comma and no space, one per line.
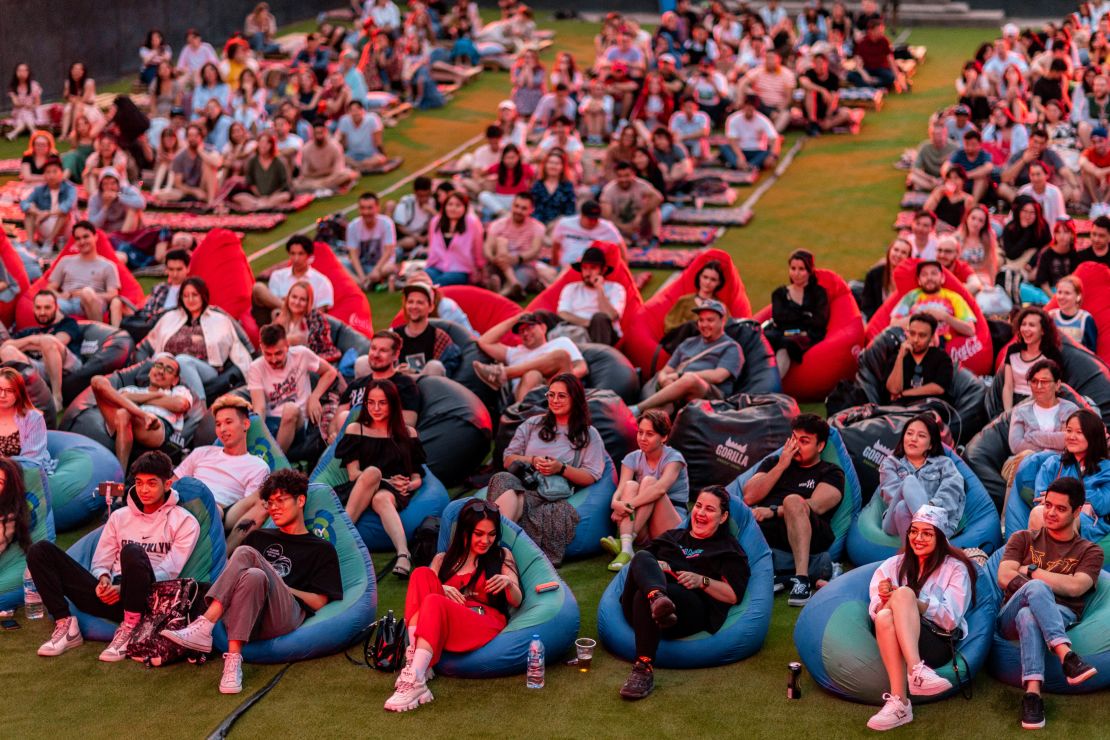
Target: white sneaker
(231,682)
(893,714)
(66,636)
(409,695)
(410,652)
(117,648)
(197,635)
(924,681)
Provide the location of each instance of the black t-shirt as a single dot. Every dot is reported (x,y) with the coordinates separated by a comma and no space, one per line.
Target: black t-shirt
(1047,89)
(720,557)
(1088,255)
(406,388)
(418,350)
(935,367)
(802,481)
(304,561)
(830,83)
(1051,266)
(67,325)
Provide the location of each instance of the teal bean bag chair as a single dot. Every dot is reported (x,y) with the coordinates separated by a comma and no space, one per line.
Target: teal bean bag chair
(13,561)
(849,507)
(80,465)
(553,615)
(429,500)
(835,638)
(1090,638)
(1019,501)
(744,630)
(261,443)
(207,561)
(593,504)
(337,625)
(979,526)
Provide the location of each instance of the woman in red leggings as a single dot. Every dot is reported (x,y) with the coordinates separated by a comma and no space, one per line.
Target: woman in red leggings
(460,603)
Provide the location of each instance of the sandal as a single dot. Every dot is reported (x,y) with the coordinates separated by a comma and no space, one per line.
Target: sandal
(401,571)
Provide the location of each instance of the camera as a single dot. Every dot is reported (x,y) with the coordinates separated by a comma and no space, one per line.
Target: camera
(527,475)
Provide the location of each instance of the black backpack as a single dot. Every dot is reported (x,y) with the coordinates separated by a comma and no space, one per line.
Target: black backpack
(424,542)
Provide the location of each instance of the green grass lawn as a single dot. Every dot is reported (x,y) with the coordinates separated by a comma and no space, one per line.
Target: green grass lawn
(839,199)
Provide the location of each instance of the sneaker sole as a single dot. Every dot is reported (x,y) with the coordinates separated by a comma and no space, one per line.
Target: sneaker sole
(797,602)
(1031,725)
(482,378)
(67,648)
(1076,680)
(415,703)
(610,547)
(231,689)
(884,728)
(616,567)
(106,657)
(187,644)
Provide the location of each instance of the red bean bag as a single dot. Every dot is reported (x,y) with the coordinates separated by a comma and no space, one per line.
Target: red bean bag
(835,357)
(352,307)
(644,329)
(13,265)
(974,352)
(548,299)
(1096,301)
(484,308)
(129,286)
(219,260)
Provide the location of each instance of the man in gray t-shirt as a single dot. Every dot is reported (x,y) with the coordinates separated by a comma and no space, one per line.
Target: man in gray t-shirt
(704,366)
(85,282)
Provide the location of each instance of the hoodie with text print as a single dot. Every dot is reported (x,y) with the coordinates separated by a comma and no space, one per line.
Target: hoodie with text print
(168,537)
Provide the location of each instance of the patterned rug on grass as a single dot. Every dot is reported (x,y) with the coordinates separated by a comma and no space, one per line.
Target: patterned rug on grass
(703,235)
(712,216)
(390,164)
(732,177)
(187,221)
(913,200)
(726,197)
(9,166)
(674,259)
(299,202)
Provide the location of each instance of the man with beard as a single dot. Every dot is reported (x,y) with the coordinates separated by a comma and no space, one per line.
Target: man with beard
(919,370)
(425,349)
(381,364)
(530,364)
(951,311)
(53,346)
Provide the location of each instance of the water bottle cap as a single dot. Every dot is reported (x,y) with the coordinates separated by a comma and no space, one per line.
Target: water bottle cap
(535,637)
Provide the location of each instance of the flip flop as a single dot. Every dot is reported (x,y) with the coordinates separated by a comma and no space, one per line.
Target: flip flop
(402,572)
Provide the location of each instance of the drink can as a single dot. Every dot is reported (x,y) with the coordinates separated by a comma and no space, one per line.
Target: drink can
(794,684)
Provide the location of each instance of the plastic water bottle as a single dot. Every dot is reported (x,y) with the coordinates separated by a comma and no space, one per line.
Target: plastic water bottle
(535,663)
(32,602)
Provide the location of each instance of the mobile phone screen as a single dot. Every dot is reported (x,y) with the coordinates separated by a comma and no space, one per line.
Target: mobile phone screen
(9,624)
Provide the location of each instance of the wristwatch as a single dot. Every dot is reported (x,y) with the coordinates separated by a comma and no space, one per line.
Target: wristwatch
(704,582)
(774,510)
(1030,569)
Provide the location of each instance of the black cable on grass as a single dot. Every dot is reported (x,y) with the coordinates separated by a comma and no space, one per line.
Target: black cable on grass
(221,731)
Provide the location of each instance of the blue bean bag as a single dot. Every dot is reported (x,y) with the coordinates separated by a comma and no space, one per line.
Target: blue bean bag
(836,639)
(1019,501)
(82,464)
(13,561)
(849,507)
(979,526)
(429,500)
(744,630)
(337,625)
(553,615)
(207,561)
(1090,638)
(593,504)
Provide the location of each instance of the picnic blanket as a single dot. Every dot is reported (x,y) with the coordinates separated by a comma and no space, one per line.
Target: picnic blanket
(388,166)
(712,216)
(732,177)
(679,234)
(660,259)
(724,198)
(189,221)
(9,166)
(299,202)
(914,200)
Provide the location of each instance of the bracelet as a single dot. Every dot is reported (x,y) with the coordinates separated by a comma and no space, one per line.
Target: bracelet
(562,469)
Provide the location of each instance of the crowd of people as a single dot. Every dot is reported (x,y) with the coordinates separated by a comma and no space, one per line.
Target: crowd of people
(529,208)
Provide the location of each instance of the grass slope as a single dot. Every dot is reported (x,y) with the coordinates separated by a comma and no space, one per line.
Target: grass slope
(838,198)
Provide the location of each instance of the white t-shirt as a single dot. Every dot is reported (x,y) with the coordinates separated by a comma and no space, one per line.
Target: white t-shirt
(756,134)
(370,242)
(575,239)
(581,301)
(290,384)
(517,355)
(359,138)
(176,421)
(1046,418)
(281,280)
(230,478)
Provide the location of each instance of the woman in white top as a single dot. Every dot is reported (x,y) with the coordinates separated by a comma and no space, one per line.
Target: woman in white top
(928,585)
(1038,423)
(1035,338)
(1041,190)
(202,339)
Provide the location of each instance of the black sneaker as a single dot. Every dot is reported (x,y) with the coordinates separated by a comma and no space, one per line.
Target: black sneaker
(1032,712)
(1077,670)
(662,610)
(781,582)
(639,683)
(800,592)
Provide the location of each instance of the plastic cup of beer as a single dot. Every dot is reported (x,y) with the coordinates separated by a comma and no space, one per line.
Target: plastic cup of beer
(585,648)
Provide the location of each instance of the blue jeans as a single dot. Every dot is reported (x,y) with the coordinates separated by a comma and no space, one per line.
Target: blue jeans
(755,157)
(1033,617)
(439,277)
(883,77)
(259,43)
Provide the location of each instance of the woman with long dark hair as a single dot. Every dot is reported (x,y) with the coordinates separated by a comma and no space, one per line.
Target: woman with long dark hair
(550,456)
(709,281)
(455,242)
(383,458)
(267,182)
(15,518)
(799,312)
(918,598)
(79,93)
(511,175)
(919,473)
(25,96)
(130,125)
(154,52)
(1035,338)
(460,603)
(1084,457)
(1023,236)
(553,193)
(211,87)
(878,284)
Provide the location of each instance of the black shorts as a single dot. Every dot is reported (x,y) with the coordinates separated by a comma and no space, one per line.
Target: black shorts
(774,531)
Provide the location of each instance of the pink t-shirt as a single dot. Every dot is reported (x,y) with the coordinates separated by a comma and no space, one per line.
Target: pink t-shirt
(462,254)
(290,384)
(520,237)
(522,186)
